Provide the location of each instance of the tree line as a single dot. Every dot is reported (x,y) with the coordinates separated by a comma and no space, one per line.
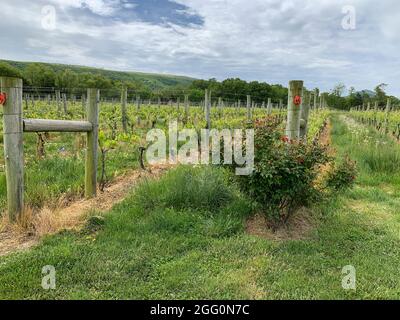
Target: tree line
(338,99)
(41,79)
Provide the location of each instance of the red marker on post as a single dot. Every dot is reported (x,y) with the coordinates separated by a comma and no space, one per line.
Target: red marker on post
(3,98)
(297,100)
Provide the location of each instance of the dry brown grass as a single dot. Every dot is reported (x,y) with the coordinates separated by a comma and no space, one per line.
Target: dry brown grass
(298,227)
(33,225)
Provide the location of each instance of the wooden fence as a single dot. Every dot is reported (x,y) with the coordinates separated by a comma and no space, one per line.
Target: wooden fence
(14,125)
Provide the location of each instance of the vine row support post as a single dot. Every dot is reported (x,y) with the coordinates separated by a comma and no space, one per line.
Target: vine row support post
(186,106)
(93,97)
(58,100)
(13,145)
(248,108)
(293,115)
(387,111)
(304,114)
(269,107)
(124,98)
(207,107)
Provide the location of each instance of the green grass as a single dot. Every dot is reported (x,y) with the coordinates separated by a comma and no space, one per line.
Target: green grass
(183,237)
(60,173)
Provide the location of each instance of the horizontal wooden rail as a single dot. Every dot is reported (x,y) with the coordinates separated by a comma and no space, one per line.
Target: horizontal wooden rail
(44,125)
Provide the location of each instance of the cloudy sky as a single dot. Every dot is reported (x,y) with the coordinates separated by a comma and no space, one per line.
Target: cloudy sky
(266,40)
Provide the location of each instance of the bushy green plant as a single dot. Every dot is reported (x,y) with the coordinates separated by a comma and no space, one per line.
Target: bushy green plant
(342,175)
(284,172)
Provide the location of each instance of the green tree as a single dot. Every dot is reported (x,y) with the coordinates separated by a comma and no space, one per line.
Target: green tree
(6,70)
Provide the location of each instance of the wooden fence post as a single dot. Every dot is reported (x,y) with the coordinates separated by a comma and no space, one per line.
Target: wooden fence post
(316,93)
(124,98)
(83,100)
(304,114)
(207,107)
(58,100)
(186,106)
(269,106)
(93,96)
(248,106)
(64,97)
(13,145)
(137,102)
(293,116)
(387,111)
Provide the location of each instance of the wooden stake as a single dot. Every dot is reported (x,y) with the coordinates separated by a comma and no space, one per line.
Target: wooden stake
(293,116)
(387,111)
(186,106)
(207,106)
(93,96)
(124,98)
(248,106)
(13,145)
(65,103)
(269,107)
(305,110)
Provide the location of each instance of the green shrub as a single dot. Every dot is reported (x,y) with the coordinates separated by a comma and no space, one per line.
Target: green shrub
(284,172)
(342,175)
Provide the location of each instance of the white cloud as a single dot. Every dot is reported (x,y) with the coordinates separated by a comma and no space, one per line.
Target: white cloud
(269,40)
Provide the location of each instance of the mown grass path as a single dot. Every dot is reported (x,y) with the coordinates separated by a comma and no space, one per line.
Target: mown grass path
(183,237)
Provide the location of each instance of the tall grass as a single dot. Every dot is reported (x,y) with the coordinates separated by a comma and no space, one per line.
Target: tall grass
(374,151)
(385,159)
(202,188)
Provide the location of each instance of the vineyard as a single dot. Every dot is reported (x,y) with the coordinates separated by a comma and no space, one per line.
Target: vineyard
(122,132)
(320,182)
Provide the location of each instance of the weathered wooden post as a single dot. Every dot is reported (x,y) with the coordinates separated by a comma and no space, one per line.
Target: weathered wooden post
(186,107)
(207,107)
(26,101)
(294,106)
(124,99)
(93,96)
(387,111)
(316,94)
(83,100)
(220,104)
(248,106)
(13,145)
(64,97)
(304,114)
(269,107)
(58,100)
(137,103)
